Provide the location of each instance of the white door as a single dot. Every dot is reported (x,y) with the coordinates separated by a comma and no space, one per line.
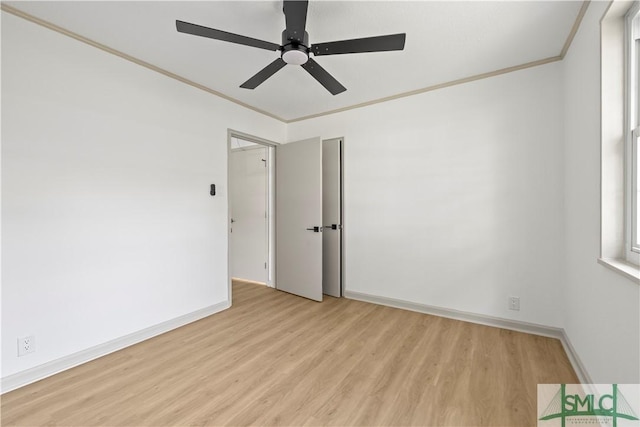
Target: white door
(248,179)
(299,218)
(331,217)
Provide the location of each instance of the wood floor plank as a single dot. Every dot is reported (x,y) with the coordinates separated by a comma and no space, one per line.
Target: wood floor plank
(279,360)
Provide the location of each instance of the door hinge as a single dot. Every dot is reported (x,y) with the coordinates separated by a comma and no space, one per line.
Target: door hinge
(265,265)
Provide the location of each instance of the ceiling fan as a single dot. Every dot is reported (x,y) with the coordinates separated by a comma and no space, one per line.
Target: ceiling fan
(295,46)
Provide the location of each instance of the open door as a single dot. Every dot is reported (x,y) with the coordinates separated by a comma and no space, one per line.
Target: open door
(299,218)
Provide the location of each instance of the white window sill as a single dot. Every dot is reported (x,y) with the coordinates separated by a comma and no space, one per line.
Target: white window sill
(628,270)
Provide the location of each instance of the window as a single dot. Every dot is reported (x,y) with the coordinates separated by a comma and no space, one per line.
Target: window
(632,135)
(620,139)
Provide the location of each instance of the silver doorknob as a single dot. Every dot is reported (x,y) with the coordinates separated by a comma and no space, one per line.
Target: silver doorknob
(316,229)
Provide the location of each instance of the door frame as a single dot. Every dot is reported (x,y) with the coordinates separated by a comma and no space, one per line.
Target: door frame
(231,133)
(271,211)
(343,240)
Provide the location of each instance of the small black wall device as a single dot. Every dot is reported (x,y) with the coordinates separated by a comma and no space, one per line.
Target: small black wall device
(213,190)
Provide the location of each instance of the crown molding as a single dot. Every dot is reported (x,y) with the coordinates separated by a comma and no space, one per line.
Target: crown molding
(434,87)
(12,10)
(576,25)
(574,29)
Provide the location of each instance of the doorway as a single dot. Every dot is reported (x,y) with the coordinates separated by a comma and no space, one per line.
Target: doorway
(305,185)
(251,192)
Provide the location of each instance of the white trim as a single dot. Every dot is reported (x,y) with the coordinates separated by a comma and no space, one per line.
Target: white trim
(343,252)
(251,138)
(574,359)
(631,271)
(343,212)
(37,373)
(481,319)
(270,208)
(248,148)
(631,122)
(20,379)
(634,243)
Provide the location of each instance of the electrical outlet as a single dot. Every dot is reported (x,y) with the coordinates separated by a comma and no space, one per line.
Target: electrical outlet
(26,345)
(514,303)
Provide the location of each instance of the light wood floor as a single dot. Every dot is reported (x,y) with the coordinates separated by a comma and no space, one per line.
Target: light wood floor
(277,359)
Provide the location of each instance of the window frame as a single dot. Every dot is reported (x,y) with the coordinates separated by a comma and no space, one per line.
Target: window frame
(632,133)
(633,238)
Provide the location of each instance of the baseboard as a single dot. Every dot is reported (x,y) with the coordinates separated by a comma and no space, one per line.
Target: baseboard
(578,366)
(481,319)
(498,322)
(20,379)
(37,373)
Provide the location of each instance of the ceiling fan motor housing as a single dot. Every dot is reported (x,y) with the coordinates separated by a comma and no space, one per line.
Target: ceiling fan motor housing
(294,50)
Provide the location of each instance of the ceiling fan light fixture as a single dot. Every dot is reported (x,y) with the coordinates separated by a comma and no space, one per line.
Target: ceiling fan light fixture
(295,57)
(295,46)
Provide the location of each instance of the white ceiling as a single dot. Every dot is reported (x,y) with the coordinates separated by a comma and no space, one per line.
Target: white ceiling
(445,41)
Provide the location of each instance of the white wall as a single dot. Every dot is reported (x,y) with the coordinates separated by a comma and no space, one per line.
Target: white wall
(602,308)
(456,198)
(108,226)
(453,198)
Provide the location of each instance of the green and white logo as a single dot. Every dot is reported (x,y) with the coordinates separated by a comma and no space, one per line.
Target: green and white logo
(588,405)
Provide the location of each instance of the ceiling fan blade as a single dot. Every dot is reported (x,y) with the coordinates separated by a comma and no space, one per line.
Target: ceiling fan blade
(199,30)
(263,74)
(368,44)
(322,76)
(295,13)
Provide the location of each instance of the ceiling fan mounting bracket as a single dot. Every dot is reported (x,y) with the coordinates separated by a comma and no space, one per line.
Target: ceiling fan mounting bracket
(295,42)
